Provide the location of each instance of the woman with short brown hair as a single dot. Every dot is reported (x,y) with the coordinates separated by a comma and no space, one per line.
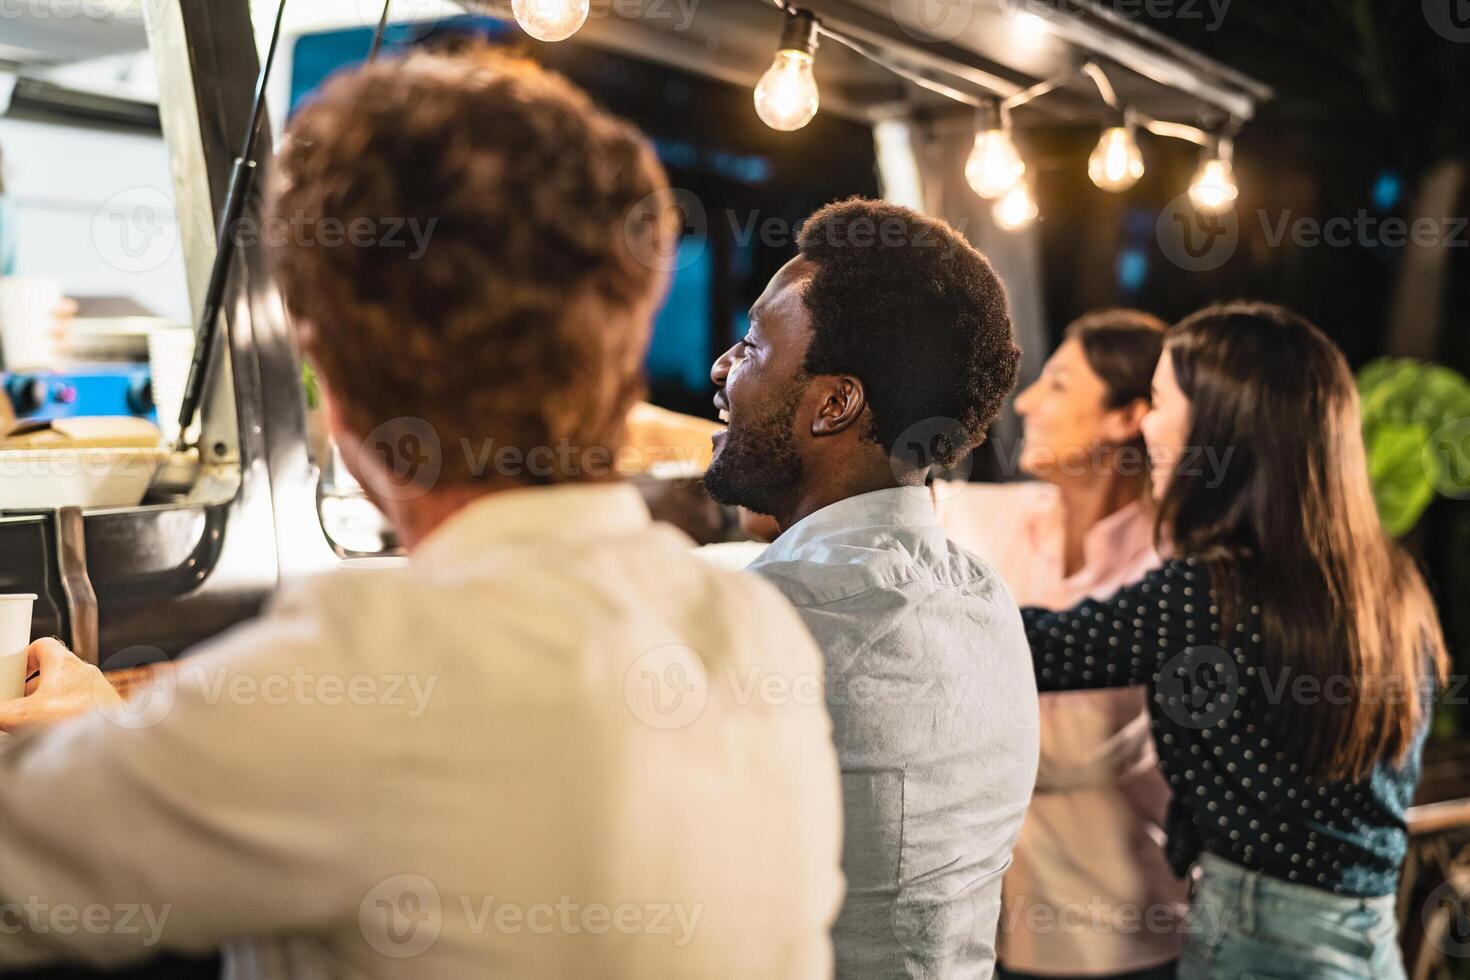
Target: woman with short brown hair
(1082,527)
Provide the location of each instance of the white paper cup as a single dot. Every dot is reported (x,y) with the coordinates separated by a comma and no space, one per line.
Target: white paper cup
(15,637)
(28,321)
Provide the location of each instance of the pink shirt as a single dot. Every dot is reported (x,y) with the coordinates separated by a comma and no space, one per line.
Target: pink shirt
(1089,890)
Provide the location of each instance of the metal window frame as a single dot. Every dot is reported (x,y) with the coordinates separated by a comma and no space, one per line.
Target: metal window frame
(167,576)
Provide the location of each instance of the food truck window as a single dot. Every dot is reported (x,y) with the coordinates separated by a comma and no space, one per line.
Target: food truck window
(95,309)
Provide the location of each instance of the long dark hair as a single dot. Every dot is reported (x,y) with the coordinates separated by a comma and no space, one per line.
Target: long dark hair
(1292,528)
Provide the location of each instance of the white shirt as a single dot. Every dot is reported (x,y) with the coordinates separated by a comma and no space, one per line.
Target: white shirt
(933,701)
(554,744)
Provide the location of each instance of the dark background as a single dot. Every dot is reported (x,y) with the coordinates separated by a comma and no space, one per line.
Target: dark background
(1369,100)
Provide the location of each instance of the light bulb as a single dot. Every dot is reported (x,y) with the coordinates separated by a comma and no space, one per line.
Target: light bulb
(1031,28)
(994,166)
(1016,209)
(1116,163)
(1214,187)
(550,20)
(786,97)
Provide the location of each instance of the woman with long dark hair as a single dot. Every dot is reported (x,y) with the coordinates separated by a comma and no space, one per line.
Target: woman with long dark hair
(1291,651)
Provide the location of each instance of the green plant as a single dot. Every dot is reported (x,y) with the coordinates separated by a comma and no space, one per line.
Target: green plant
(1416,428)
(313,390)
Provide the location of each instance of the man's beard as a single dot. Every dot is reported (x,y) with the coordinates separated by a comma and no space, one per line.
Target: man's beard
(758,467)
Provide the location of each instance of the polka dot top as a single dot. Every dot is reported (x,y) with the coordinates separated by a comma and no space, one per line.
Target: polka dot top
(1234,795)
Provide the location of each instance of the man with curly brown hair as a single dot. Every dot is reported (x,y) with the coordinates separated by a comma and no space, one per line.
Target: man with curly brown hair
(555,744)
(884,349)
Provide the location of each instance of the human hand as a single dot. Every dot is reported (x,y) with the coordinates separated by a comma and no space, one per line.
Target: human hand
(64,687)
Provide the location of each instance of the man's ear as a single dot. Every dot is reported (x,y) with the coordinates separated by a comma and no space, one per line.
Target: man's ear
(1123,425)
(842,404)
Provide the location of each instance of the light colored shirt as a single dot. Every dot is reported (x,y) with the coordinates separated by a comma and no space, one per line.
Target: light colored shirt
(933,703)
(554,744)
(734,555)
(1091,850)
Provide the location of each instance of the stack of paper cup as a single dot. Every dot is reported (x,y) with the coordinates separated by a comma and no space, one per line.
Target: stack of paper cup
(15,637)
(170,352)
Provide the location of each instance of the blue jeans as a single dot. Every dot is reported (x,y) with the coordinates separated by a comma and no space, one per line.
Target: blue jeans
(1244,925)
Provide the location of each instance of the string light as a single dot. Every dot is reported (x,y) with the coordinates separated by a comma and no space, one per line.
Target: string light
(1016,208)
(1116,163)
(786,97)
(1213,188)
(550,20)
(994,165)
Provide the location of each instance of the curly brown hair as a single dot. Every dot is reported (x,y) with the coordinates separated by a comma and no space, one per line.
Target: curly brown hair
(905,304)
(525,314)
